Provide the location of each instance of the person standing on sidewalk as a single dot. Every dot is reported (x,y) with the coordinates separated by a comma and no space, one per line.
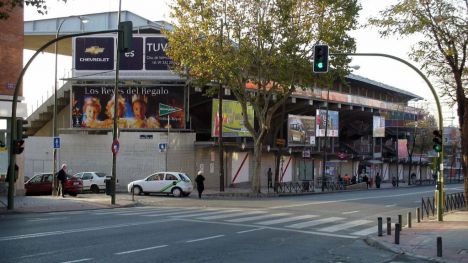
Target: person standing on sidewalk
(62,177)
(378,180)
(269,175)
(200,185)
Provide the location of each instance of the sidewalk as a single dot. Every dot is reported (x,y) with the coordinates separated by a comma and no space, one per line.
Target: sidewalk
(421,240)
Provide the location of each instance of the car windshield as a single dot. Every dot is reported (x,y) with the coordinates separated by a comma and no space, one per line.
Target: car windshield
(101,174)
(184,178)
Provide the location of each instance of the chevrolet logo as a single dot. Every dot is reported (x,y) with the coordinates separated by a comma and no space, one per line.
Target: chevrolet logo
(94,50)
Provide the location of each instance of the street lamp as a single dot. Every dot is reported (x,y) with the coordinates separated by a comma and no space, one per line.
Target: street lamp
(83,20)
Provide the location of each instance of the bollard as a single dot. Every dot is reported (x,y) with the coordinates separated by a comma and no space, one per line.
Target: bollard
(397,233)
(408,219)
(389,226)
(379,226)
(400,221)
(439,246)
(418,214)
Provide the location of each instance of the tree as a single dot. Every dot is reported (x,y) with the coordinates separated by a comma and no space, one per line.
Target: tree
(264,43)
(442,51)
(6,6)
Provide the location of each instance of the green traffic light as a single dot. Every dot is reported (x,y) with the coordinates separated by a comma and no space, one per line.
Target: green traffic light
(437,148)
(320,65)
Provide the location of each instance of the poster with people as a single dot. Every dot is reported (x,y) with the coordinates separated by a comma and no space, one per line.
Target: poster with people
(378,126)
(233,120)
(301,130)
(138,107)
(331,124)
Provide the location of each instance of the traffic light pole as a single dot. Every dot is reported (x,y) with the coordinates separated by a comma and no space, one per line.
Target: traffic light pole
(439,193)
(13,126)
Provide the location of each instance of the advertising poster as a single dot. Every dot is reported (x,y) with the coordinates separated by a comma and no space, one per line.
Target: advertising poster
(94,53)
(155,54)
(233,122)
(139,107)
(378,126)
(402,148)
(332,123)
(301,130)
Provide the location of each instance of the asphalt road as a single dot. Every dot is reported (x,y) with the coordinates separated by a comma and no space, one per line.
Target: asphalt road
(314,228)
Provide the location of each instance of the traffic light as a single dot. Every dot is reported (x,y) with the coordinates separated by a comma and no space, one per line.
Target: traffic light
(21,129)
(437,141)
(125,36)
(320,59)
(19,146)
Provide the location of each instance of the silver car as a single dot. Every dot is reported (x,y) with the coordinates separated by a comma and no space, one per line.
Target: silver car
(92,181)
(175,183)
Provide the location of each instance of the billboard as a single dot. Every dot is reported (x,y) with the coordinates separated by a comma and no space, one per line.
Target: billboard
(332,123)
(301,130)
(378,129)
(402,148)
(139,107)
(233,122)
(95,57)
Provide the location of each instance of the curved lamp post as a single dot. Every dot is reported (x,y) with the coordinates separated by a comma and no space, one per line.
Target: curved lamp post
(83,20)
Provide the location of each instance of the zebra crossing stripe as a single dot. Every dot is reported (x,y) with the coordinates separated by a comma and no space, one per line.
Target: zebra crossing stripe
(251,218)
(162,211)
(173,213)
(231,214)
(371,230)
(315,222)
(201,214)
(285,220)
(346,225)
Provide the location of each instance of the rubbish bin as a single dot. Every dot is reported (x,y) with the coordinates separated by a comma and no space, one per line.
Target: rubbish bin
(108,182)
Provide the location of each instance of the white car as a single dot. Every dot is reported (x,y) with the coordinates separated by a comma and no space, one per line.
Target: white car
(92,181)
(175,183)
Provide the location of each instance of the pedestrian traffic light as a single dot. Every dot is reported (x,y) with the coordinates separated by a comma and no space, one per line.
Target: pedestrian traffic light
(125,36)
(21,129)
(320,59)
(437,141)
(19,146)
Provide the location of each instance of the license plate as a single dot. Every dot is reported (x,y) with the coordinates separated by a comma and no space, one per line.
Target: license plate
(76,183)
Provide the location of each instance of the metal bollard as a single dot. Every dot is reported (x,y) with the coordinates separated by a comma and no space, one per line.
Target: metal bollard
(397,233)
(400,221)
(409,219)
(389,226)
(418,214)
(379,226)
(439,246)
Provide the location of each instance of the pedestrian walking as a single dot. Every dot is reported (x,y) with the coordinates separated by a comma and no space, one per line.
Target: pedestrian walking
(365,179)
(62,178)
(394,182)
(378,180)
(270,179)
(200,185)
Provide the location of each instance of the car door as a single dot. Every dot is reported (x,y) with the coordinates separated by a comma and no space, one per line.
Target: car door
(169,182)
(154,183)
(46,183)
(88,180)
(33,185)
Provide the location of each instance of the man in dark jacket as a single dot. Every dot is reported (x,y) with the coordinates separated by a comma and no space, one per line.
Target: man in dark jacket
(62,177)
(200,185)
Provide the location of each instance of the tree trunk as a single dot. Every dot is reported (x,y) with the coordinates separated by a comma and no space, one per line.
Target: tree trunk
(464,147)
(256,185)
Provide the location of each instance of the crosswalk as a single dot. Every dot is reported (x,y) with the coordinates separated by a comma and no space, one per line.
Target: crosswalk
(261,218)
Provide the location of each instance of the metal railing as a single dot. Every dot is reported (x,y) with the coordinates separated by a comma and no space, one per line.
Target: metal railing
(452,202)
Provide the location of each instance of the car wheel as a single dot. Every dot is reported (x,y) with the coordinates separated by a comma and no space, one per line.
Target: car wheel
(186,194)
(137,190)
(176,192)
(73,194)
(95,189)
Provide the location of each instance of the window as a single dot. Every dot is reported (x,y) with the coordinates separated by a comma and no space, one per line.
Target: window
(36,179)
(47,178)
(87,176)
(184,178)
(171,177)
(101,174)
(152,177)
(160,176)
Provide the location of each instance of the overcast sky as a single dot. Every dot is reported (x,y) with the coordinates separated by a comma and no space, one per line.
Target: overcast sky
(384,70)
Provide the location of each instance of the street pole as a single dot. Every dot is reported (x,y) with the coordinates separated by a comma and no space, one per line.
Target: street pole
(325,147)
(220,122)
(116,103)
(440,179)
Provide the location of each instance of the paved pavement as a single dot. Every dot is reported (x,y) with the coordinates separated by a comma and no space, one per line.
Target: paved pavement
(418,241)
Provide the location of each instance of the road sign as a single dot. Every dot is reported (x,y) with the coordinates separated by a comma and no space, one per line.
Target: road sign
(56,142)
(162,147)
(167,109)
(115,147)
(281,142)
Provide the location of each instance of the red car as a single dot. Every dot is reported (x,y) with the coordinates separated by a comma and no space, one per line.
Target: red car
(42,184)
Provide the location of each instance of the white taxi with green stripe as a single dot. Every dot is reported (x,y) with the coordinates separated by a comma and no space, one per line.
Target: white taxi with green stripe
(175,183)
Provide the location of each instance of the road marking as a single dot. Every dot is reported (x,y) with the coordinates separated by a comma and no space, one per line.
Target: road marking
(284,220)
(174,213)
(201,214)
(315,222)
(251,230)
(138,250)
(350,212)
(392,205)
(252,218)
(202,239)
(344,226)
(77,230)
(78,260)
(231,213)
(46,219)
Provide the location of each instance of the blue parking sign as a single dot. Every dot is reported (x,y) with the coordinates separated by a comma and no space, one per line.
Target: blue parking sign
(56,142)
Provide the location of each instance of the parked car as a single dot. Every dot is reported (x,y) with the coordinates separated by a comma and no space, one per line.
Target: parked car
(42,184)
(175,183)
(92,181)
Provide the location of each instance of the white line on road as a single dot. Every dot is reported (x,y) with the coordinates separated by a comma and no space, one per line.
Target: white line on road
(46,219)
(232,213)
(285,220)
(392,205)
(350,212)
(252,218)
(315,222)
(138,250)
(204,238)
(346,225)
(251,230)
(78,260)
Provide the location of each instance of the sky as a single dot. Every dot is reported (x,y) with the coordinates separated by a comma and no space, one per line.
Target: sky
(37,87)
